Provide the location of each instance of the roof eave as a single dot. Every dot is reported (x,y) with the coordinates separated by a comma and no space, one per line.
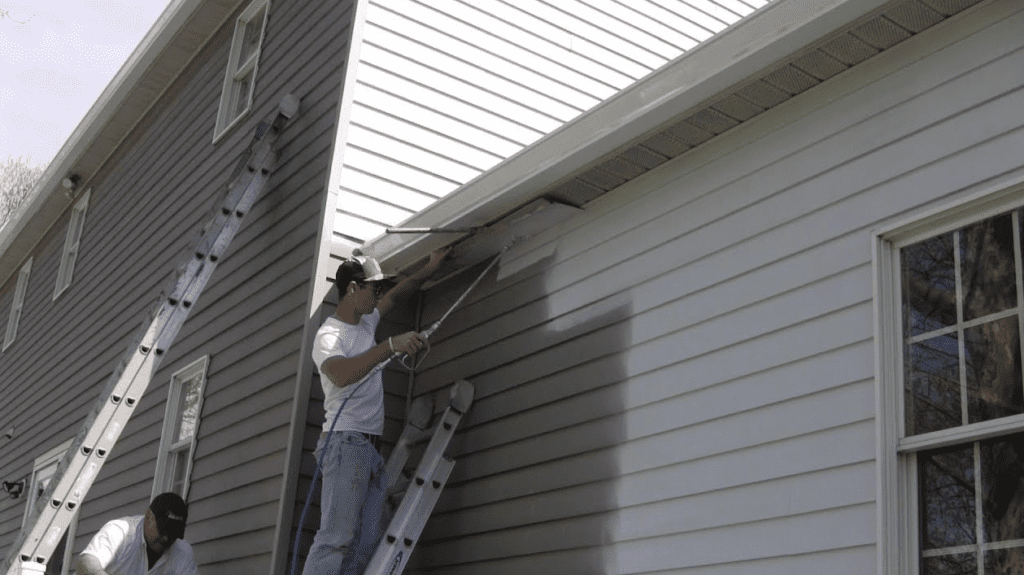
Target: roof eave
(774,33)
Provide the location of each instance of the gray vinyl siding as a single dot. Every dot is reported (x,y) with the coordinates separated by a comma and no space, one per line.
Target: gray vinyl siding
(687,384)
(148,206)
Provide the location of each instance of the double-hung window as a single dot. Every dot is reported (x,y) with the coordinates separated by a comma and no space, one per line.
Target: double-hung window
(951,396)
(181,427)
(20,291)
(71,244)
(43,470)
(243,60)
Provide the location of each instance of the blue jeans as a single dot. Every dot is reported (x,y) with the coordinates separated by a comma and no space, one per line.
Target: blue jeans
(351,502)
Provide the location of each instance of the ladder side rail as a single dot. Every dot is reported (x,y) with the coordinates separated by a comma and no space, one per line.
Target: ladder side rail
(442,436)
(395,548)
(431,474)
(425,472)
(418,429)
(446,424)
(399,455)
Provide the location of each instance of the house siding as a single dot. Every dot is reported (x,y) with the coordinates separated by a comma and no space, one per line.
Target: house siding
(148,206)
(685,383)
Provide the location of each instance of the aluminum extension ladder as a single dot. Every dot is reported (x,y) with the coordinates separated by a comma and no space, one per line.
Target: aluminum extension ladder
(103,426)
(426,484)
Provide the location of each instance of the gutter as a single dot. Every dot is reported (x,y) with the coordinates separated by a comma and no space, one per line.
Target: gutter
(774,33)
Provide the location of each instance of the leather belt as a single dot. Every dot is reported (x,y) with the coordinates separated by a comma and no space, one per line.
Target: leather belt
(374,440)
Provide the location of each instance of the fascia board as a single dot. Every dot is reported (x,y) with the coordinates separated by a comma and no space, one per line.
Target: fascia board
(774,33)
(48,200)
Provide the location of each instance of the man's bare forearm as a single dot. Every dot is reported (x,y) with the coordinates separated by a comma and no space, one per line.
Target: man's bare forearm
(344,371)
(89,565)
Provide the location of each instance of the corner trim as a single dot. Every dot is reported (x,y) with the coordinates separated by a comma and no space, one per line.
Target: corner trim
(316,294)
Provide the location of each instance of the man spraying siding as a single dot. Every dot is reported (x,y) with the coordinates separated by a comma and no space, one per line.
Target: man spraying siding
(345,350)
(149,544)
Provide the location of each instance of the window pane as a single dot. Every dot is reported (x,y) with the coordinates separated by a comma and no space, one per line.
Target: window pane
(188,408)
(180,465)
(240,90)
(947,498)
(40,481)
(959,564)
(992,362)
(1004,561)
(987,267)
(929,285)
(1002,468)
(932,377)
(177,467)
(251,38)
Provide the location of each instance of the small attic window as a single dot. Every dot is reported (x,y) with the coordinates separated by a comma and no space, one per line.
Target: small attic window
(19,302)
(240,77)
(71,245)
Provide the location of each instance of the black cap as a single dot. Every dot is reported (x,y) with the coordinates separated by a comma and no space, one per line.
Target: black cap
(171,513)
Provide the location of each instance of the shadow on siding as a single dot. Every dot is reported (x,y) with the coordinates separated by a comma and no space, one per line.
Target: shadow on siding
(533,490)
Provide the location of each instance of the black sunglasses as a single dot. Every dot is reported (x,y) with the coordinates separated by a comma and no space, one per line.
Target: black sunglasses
(379,288)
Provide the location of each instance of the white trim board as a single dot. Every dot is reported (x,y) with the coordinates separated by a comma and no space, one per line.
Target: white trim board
(319,287)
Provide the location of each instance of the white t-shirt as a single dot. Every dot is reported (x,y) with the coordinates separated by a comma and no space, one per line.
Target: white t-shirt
(121,548)
(365,411)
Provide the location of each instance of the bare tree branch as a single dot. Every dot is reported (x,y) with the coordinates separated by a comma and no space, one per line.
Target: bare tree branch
(17,178)
(6,14)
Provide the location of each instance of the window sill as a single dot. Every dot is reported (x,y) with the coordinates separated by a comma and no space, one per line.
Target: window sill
(218,136)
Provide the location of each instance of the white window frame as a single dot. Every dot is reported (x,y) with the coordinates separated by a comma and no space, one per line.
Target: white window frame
(17,304)
(43,469)
(237,70)
(71,244)
(897,481)
(162,478)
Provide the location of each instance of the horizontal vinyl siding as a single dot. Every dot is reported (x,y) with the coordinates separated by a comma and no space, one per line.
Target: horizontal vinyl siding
(687,384)
(148,207)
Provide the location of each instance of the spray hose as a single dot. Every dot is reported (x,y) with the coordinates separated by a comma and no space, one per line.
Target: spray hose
(380,366)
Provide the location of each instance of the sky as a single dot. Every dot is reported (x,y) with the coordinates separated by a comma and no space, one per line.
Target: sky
(56,57)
